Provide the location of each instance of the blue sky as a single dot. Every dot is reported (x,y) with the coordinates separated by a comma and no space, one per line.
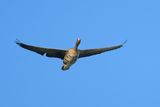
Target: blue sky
(128,77)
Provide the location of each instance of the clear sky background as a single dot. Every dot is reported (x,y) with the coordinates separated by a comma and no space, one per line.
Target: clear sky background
(127,77)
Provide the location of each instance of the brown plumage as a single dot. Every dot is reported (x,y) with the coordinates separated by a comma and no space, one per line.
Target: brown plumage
(70,56)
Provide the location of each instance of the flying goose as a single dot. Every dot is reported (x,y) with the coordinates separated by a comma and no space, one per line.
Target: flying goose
(69,56)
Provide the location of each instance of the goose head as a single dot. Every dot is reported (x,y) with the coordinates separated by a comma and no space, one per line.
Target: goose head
(77,43)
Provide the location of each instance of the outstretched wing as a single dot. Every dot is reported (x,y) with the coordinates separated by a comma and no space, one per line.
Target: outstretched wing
(43,51)
(89,52)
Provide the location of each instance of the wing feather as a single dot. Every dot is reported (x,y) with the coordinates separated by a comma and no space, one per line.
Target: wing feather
(43,51)
(90,52)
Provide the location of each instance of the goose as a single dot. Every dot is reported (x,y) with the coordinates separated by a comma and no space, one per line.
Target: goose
(69,56)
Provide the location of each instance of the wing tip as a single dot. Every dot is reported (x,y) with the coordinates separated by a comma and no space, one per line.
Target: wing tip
(124,42)
(18,42)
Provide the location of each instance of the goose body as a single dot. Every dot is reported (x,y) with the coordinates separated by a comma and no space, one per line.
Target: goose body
(69,56)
